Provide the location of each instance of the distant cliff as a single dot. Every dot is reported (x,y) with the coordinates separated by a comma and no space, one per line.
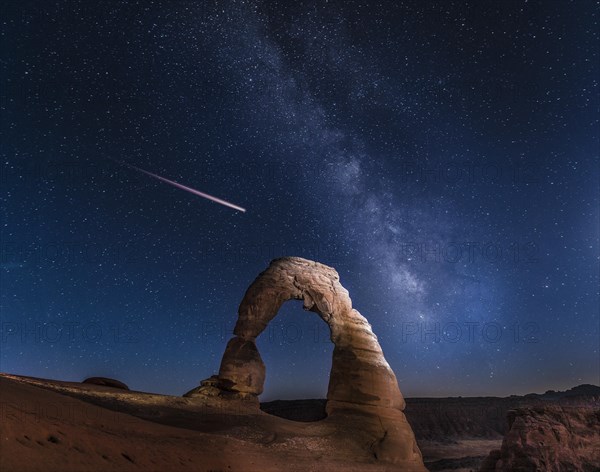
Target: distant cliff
(456,418)
(451,419)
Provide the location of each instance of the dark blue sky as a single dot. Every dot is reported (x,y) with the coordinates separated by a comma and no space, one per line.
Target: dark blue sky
(442,157)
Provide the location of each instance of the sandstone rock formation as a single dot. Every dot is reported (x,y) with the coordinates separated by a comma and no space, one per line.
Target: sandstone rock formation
(106,382)
(363,391)
(549,438)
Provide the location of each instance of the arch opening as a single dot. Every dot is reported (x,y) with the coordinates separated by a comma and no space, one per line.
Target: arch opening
(297,351)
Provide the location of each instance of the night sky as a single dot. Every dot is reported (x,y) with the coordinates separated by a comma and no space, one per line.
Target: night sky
(442,156)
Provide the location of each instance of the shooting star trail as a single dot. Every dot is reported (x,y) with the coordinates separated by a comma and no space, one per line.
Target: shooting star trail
(187,189)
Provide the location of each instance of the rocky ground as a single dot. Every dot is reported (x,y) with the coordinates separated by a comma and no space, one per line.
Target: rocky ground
(52,425)
(63,426)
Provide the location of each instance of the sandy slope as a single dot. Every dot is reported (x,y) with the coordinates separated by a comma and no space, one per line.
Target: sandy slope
(42,429)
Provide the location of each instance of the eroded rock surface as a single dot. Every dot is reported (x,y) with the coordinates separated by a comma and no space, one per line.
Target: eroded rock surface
(549,438)
(363,391)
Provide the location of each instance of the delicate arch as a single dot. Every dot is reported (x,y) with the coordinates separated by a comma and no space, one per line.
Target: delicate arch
(359,372)
(363,393)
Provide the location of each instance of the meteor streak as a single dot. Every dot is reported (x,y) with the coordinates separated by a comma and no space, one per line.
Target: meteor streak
(187,189)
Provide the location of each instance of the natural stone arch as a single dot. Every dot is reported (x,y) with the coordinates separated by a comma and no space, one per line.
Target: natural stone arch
(363,394)
(359,373)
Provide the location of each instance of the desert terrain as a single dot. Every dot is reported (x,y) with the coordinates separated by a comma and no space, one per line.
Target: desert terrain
(55,425)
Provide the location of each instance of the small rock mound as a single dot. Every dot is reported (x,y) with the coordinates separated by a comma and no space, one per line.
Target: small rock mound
(106,382)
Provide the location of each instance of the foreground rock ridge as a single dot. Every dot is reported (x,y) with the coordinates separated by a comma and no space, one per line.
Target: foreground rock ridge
(363,391)
(552,438)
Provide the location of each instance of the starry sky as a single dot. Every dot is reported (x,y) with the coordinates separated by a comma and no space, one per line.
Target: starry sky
(442,156)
